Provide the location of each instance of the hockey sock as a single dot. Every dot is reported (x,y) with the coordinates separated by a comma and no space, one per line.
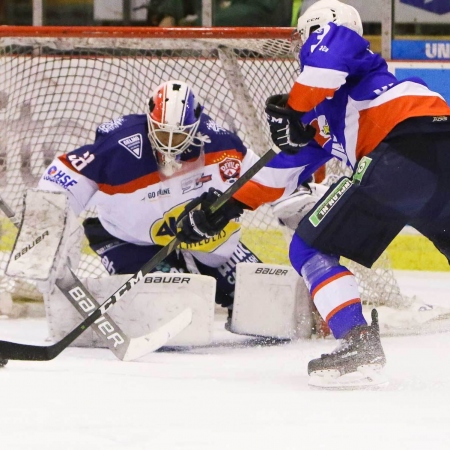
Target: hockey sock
(333,287)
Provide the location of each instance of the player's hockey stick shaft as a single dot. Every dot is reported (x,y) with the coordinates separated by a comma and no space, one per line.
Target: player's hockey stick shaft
(17,351)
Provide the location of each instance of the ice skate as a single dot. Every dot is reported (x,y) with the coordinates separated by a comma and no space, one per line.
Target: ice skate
(356,362)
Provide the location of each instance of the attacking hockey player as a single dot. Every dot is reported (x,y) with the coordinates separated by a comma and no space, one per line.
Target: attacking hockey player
(395,135)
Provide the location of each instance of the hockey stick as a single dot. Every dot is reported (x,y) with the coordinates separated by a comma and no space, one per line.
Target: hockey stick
(123,347)
(17,351)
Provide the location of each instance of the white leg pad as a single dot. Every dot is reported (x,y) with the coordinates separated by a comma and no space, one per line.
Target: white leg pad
(148,305)
(39,236)
(48,239)
(271,300)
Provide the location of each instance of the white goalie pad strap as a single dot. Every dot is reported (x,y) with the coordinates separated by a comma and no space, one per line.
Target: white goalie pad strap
(271,300)
(150,304)
(48,237)
(291,210)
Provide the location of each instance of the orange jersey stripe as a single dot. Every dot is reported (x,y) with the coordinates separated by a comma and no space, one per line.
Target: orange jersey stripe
(304,98)
(329,280)
(125,188)
(376,122)
(131,186)
(254,194)
(63,159)
(342,306)
(153,178)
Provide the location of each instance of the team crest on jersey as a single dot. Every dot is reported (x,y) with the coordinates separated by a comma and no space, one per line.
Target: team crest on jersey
(111,125)
(133,144)
(230,170)
(321,125)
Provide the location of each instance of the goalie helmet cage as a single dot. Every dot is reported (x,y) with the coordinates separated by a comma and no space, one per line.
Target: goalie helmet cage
(57,84)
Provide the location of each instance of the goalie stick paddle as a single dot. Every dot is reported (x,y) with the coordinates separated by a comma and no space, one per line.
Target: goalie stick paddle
(27,352)
(124,347)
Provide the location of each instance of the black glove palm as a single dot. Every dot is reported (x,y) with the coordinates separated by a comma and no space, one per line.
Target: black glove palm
(287,131)
(196,223)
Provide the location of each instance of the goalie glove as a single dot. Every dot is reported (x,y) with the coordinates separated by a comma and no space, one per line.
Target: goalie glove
(287,131)
(291,210)
(196,224)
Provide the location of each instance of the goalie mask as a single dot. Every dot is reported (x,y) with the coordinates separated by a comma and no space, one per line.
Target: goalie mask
(173,118)
(325,11)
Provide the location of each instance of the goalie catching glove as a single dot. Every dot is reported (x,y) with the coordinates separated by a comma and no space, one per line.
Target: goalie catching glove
(287,131)
(196,223)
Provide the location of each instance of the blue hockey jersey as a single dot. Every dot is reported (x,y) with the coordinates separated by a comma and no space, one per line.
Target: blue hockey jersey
(351,99)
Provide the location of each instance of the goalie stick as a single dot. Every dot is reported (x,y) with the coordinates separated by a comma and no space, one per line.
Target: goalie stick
(124,347)
(27,352)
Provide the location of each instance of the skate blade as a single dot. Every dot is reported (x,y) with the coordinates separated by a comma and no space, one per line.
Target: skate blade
(366,377)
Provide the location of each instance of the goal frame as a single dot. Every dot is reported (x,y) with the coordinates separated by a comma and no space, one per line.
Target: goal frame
(223,42)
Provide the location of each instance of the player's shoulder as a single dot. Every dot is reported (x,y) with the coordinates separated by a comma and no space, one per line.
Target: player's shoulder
(121,125)
(120,141)
(333,41)
(217,138)
(124,132)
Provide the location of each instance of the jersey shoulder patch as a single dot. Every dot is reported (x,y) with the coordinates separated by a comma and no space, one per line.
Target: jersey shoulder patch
(133,144)
(111,125)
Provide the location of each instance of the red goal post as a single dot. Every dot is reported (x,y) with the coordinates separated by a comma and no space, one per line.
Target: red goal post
(57,84)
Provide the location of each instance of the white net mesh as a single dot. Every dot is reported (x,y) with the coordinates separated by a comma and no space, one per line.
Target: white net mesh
(55,91)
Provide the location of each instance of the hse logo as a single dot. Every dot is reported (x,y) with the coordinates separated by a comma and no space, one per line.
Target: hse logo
(433,6)
(54,175)
(163,230)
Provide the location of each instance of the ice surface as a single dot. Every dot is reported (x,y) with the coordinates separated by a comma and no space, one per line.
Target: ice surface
(226,396)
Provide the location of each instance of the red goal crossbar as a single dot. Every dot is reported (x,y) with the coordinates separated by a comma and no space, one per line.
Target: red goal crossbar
(148,32)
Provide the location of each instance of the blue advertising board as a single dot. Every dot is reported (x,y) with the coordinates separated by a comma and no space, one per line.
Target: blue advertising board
(437,79)
(421,50)
(433,6)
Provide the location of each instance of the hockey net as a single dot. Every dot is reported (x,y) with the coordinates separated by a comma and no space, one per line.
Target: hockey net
(58,84)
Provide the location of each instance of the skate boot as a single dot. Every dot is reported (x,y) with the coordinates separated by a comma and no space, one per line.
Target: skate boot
(3,362)
(356,362)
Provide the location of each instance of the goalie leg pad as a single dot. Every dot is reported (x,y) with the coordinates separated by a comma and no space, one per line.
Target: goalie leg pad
(271,300)
(48,239)
(151,303)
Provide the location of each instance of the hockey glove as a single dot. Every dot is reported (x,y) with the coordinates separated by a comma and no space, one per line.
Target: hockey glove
(196,224)
(287,131)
